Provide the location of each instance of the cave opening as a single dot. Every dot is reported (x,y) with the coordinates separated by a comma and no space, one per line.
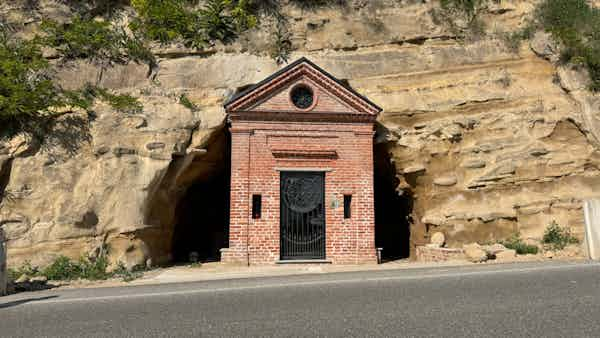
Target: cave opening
(201,215)
(188,207)
(201,228)
(393,207)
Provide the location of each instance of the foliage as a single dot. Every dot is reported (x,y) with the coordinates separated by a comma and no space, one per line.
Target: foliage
(576,25)
(92,8)
(171,20)
(513,39)
(25,269)
(557,237)
(127,275)
(63,268)
(282,45)
(27,93)
(122,103)
(312,4)
(516,243)
(94,40)
(185,101)
(462,16)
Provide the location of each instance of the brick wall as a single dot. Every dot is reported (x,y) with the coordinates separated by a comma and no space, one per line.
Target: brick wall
(261,150)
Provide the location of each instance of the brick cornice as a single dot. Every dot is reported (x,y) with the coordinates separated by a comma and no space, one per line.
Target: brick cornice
(241,108)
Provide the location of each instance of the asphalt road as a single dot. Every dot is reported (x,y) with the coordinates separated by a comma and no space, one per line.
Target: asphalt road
(552,300)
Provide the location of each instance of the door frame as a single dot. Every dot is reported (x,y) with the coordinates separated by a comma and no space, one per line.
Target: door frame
(291,171)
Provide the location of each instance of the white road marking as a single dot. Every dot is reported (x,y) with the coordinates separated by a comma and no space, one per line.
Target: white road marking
(313,283)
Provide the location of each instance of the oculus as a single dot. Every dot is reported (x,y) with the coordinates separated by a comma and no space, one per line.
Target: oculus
(302,97)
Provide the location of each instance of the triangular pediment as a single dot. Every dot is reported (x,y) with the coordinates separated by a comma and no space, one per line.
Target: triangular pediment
(320,94)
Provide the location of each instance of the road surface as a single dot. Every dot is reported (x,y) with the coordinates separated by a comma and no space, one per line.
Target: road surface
(533,299)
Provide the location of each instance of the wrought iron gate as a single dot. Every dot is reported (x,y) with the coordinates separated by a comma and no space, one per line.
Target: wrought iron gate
(302,215)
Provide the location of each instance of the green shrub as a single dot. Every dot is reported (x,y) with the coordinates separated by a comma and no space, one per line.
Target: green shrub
(94,269)
(62,269)
(516,243)
(25,269)
(122,103)
(576,25)
(171,20)
(27,93)
(94,40)
(127,275)
(313,4)
(462,17)
(557,237)
(282,44)
(185,101)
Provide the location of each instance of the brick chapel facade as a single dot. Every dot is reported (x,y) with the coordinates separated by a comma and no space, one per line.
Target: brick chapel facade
(301,171)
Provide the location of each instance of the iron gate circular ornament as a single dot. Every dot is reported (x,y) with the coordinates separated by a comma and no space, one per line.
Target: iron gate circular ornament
(302,97)
(302,194)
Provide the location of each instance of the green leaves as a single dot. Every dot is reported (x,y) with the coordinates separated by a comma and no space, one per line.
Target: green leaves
(558,238)
(171,20)
(29,99)
(576,25)
(26,90)
(94,40)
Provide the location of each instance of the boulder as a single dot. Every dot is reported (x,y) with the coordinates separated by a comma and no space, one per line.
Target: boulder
(438,239)
(549,254)
(474,253)
(494,249)
(506,254)
(38,279)
(24,278)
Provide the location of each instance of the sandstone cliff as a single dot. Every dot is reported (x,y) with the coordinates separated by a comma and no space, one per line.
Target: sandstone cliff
(485,140)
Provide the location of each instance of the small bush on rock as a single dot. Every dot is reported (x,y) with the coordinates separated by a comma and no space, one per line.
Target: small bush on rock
(167,21)
(95,41)
(576,25)
(557,238)
(62,269)
(516,243)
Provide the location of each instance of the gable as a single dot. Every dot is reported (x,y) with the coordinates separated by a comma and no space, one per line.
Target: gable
(301,89)
(280,100)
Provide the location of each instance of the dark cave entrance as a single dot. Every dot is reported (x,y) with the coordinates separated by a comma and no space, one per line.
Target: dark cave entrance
(392,209)
(201,226)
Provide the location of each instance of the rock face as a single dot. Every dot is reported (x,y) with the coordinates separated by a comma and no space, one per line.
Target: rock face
(485,140)
(475,253)
(438,239)
(3,274)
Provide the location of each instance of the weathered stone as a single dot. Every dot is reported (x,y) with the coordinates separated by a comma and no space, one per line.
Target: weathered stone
(473,164)
(38,279)
(573,78)
(475,253)
(438,239)
(445,181)
(549,254)
(24,278)
(155,145)
(507,254)
(543,45)
(494,249)
(413,169)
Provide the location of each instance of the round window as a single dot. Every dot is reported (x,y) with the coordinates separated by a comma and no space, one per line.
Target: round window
(302,97)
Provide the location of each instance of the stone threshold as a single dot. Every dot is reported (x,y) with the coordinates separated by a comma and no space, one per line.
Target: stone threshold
(303,261)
